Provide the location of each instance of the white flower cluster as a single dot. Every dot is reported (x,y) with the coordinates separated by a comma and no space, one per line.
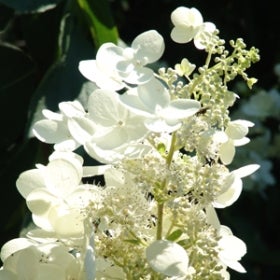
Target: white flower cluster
(164,142)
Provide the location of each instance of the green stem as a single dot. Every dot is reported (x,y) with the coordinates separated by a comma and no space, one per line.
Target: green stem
(171,150)
(160,205)
(200,78)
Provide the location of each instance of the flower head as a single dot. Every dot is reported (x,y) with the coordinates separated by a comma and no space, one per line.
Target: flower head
(152,101)
(115,65)
(234,135)
(32,260)
(232,249)
(54,128)
(189,25)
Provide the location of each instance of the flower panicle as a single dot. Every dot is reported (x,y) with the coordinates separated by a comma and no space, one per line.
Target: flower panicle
(164,141)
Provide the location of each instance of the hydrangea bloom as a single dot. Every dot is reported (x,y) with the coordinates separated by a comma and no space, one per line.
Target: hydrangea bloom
(164,141)
(189,25)
(54,194)
(152,101)
(114,65)
(232,249)
(54,129)
(234,135)
(38,261)
(233,186)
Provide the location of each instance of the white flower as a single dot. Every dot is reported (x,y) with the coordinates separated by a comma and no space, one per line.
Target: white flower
(102,70)
(118,131)
(168,258)
(115,64)
(54,129)
(232,249)
(60,177)
(24,259)
(233,186)
(54,194)
(152,101)
(185,68)
(189,25)
(234,135)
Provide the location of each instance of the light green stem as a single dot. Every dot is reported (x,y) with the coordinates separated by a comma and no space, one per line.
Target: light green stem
(159,220)
(160,205)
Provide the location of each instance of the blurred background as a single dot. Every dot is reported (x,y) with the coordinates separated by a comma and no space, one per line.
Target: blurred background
(41,44)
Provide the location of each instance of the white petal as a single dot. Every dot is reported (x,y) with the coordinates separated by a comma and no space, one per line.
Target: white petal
(180,35)
(71,157)
(125,67)
(41,235)
(114,138)
(153,95)
(139,75)
(246,170)
(220,137)
(39,201)
(113,156)
(62,177)
(168,258)
(107,57)
(148,45)
(29,180)
(72,109)
(105,108)
(52,115)
(160,125)
(66,222)
(101,155)
(241,142)
(131,100)
(227,152)
(235,266)
(89,171)
(82,129)
(212,217)
(238,129)
(15,245)
(186,16)
(42,222)
(231,194)
(232,250)
(181,109)
(50,132)
(90,70)
(68,145)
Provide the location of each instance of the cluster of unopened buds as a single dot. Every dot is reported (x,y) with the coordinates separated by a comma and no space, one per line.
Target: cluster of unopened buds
(162,144)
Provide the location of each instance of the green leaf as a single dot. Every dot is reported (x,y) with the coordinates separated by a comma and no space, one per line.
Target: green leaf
(175,235)
(63,81)
(17,76)
(31,6)
(100,21)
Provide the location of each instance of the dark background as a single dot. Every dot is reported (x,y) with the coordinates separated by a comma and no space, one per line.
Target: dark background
(255,217)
